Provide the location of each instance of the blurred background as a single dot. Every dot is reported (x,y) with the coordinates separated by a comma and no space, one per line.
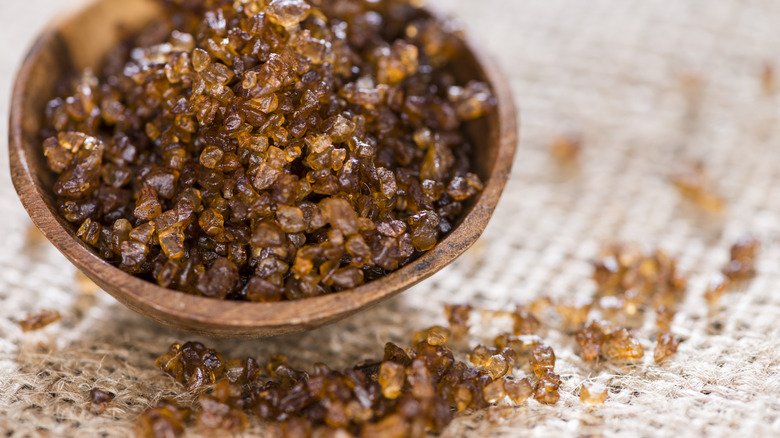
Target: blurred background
(615,98)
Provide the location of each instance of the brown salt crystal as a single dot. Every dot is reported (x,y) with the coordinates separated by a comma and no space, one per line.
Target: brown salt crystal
(511,357)
(574,314)
(39,320)
(346,278)
(172,242)
(480,355)
(743,258)
(593,393)
(393,426)
(525,323)
(566,147)
(163,421)
(494,391)
(396,354)
(89,232)
(391,379)
(419,380)
(518,390)
(664,317)
(290,219)
(58,157)
(399,63)
(458,318)
(768,80)
(211,222)
(496,366)
(472,101)
(263,291)
(99,400)
(425,230)
(665,345)
(463,397)
(437,358)
(622,344)
(296,428)
(746,247)
(211,157)
(546,388)
(436,335)
(590,337)
(716,287)
(694,184)
(133,255)
(82,177)
(287,12)
(542,358)
(220,279)
(634,298)
(143,233)
(216,414)
(462,188)
(521,345)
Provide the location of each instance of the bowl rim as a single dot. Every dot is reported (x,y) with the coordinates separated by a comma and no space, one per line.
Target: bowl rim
(224,318)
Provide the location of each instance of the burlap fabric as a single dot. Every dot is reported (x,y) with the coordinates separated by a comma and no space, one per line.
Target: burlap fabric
(650,84)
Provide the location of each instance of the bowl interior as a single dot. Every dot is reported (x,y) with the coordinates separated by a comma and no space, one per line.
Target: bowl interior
(81,41)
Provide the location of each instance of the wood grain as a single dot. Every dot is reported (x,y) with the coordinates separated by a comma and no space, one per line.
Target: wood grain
(80,41)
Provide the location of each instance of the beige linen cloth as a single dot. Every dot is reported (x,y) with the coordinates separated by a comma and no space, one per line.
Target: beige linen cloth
(650,84)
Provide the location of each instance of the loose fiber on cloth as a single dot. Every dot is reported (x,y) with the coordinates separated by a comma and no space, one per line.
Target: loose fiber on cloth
(650,84)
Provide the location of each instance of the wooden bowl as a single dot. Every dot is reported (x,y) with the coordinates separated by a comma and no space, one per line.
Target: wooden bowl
(81,41)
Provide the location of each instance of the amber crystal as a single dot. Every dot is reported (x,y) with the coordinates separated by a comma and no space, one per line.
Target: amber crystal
(525,323)
(163,421)
(391,379)
(393,426)
(542,358)
(593,393)
(663,317)
(269,150)
(436,335)
(695,184)
(546,388)
(496,366)
(458,318)
(743,258)
(590,337)
(716,287)
(665,345)
(574,313)
(518,390)
(99,400)
(741,266)
(631,282)
(521,345)
(494,391)
(622,344)
(394,353)
(566,147)
(768,79)
(481,354)
(217,412)
(39,320)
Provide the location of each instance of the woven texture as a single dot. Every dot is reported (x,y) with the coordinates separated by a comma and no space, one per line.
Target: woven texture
(625,75)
